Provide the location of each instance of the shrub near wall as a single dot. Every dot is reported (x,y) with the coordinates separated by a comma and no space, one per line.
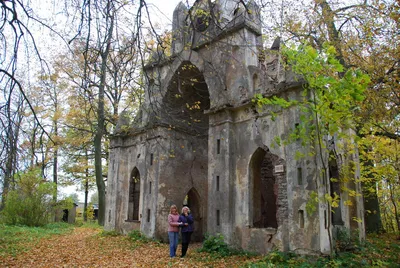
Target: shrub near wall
(30,200)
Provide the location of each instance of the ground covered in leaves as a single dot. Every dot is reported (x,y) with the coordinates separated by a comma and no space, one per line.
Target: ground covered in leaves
(90,247)
(63,245)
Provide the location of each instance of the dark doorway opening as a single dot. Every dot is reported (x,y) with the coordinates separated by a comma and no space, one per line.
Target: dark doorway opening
(192,200)
(264,189)
(65,215)
(334,181)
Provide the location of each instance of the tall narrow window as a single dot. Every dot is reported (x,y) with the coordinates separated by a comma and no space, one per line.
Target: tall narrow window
(217,183)
(334,182)
(134,195)
(218,218)
(325,220)
(151,159)
(299,176)
(218,146)
(301,218)
(150,187)
(297,130)
(148,215)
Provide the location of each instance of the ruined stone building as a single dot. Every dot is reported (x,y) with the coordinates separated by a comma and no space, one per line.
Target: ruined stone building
(200,140)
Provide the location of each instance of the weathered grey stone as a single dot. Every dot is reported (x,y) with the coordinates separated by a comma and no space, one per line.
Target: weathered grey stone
(179,28)
(203,142)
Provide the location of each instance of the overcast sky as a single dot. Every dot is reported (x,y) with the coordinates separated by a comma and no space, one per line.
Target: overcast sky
(163,9)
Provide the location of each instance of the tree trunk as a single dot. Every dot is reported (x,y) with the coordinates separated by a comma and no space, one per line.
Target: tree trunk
(55,166)
(396,214)
(7,177)
(86,188)
(100,117)
(333,34)
(11,149)
(372,213)
(373,221)
(98,155)
(98,165)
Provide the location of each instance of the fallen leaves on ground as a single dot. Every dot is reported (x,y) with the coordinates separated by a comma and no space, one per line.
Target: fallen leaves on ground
(85,247)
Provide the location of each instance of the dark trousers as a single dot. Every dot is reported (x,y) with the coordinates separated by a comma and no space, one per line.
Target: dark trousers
(185,242)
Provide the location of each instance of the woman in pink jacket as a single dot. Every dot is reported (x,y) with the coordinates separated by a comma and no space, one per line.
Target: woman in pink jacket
(173,230)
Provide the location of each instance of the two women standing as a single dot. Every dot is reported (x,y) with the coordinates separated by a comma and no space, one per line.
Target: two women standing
(185,221)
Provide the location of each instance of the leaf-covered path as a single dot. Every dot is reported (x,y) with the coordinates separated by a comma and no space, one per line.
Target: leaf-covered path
(84,247)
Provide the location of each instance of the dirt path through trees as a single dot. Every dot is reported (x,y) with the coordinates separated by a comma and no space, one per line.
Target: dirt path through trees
(85,247)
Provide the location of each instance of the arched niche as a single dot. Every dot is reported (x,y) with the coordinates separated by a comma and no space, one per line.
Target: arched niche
(134,196)
(186,100)
(263,190)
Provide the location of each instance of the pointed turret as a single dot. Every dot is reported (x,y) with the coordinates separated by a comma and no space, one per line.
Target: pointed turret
(179,28)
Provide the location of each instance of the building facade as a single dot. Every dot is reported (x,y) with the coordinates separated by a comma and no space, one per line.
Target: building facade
(200,140)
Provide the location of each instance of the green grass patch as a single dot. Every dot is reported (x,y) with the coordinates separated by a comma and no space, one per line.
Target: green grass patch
(17,239)
(376,251)
(137,235)
(109,233)
(215,245)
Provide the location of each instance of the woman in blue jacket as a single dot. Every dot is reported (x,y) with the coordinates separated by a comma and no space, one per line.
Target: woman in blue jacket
(187,228)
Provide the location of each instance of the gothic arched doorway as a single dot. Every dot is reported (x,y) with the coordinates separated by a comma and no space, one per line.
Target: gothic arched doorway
(192,200)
